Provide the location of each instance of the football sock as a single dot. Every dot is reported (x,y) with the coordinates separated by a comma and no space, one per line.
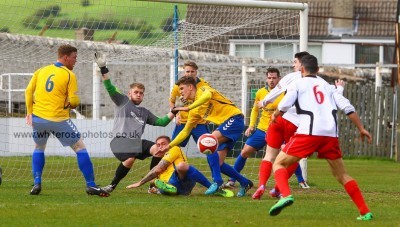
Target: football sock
(197,176)
(264,172)
(38,161)
(290,171)
(299,174)
(232,173)
(213,162)
(355,194)
(86,167)
(239,164)
(292,168)
(154,162)
(281,178)
(120,173)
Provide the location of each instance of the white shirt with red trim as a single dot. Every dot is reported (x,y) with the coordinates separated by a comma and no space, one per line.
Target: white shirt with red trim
(316,103)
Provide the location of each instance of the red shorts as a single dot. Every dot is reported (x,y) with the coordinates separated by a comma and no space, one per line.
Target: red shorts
(279,132)
(303,146)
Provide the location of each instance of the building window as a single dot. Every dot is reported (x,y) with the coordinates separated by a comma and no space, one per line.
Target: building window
(247,50)
(388,54)
(279,51)
(367,54)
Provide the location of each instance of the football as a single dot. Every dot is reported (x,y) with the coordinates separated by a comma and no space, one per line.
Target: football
(207,143)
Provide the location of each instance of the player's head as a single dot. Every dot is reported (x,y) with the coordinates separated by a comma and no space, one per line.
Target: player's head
(136,93)
(161,142)
(190,69)
(309,65)
(187,87)
(273,76)
(67,55)
(297,60)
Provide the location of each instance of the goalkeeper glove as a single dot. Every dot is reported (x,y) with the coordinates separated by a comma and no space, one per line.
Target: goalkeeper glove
(180,102)
(174,111)
(100,59)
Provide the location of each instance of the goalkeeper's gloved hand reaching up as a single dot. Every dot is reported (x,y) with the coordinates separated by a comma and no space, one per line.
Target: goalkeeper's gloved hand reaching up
(101,61)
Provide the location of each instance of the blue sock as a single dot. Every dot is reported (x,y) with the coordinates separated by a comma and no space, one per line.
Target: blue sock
(197,176)
(299,174)
(38,161)
(86,167)
(213,162)
(239,165)
(232,173)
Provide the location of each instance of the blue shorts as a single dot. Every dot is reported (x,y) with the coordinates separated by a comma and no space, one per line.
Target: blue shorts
(184,186)
(65,131)
(257,139)
(196,132)
(232,129)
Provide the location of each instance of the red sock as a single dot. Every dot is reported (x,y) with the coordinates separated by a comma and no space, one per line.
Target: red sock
(290,170)
(264,172)
(281,179)
(355,194)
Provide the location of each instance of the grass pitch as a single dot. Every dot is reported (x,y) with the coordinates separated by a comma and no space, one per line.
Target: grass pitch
(325,204)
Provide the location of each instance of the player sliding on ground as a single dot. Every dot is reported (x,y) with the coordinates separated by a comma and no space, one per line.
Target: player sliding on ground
(175,175)
(316,102)
(49,97)
(212,106)
(130,120)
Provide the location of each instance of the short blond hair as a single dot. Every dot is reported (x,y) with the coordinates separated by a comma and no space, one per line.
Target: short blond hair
(138,85)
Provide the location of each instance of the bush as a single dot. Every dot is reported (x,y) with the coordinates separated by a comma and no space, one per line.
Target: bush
(59,23)
(127,24)
(85,3)
(145,32)
(48,11)
(32,22)
(167,25)
(4,30)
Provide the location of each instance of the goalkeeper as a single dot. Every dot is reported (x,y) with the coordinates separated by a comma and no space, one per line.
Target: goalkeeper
(174,169)
(130,121)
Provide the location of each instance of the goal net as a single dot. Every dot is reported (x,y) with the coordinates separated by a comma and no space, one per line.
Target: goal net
(232,43)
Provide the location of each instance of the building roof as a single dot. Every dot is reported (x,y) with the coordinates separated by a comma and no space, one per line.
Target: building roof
(376,19)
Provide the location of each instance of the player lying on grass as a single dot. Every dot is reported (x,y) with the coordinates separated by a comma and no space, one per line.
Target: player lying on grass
(317,103)
(175,175)
(212,106)
(130,120)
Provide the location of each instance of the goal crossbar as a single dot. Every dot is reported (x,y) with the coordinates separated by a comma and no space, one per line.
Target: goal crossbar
(302,7)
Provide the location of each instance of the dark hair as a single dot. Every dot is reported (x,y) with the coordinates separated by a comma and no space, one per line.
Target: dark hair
(186,80)
(300,55)
(66,49)
(191,64)
(310,64)
(273,70)
(164,137)
(138,85)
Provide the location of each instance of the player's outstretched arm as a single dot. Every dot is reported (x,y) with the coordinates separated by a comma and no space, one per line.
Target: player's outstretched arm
(363,132)
(152,174)
(201,100)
